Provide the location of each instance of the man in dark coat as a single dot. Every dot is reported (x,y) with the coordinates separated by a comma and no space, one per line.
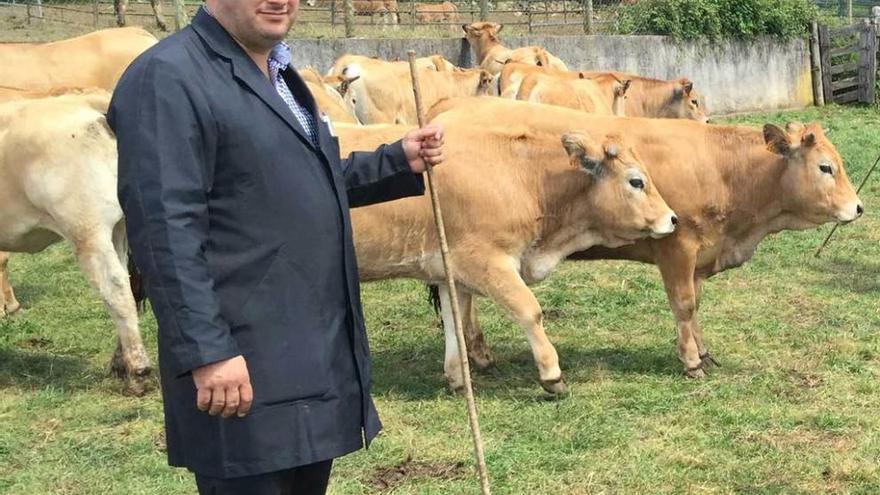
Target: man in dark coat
(236,204)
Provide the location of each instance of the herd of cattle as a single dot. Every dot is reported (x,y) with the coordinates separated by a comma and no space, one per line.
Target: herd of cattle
(543,164)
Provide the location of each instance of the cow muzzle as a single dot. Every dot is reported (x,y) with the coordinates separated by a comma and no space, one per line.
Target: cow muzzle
(664,227)
(850,213)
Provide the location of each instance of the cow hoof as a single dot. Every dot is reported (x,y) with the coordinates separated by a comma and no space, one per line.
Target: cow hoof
(482,362)
(9,309)
(136,386)
(707,362)
(695,373)
(136,381)
(555,387)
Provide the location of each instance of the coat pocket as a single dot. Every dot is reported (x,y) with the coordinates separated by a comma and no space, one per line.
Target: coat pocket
(282,337)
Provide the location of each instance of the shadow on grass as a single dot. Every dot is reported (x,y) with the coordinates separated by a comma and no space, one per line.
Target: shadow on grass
(28,295)
(27,369)
(397,372)
(862,277)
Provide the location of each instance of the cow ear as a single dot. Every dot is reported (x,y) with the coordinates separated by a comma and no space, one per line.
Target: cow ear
(464,27)
(581,151)
(498,27)
(777,140)
(808,140)
(687,87)
(346,82)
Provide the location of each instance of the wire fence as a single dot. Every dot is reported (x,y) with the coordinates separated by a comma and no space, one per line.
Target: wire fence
(847,10)
(41,20)
(33,20)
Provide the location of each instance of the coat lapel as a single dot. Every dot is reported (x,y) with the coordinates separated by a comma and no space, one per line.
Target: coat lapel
(246,71)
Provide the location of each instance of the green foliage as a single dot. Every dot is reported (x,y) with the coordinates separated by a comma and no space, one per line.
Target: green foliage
(716,19)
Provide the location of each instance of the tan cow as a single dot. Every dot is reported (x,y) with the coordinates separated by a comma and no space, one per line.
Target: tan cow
(382,94)
(94,60)
(516,201)
(491,55)
(385,9)
(58,163)
(120,5)
(341,64)
(603,96)
(327,98)
(730,186)
(657,98)
(513,73)
(445,12)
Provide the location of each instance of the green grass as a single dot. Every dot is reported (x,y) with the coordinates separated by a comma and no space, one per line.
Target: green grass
(792,411)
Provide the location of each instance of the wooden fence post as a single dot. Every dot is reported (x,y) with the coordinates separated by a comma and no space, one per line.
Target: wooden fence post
(825,57)
(816,66)
(95,14)
(484,10)
(588,16)
(349,19)
(867,62)
(180,17)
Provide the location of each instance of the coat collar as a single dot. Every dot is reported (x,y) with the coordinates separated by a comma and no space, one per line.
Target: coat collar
(245,70)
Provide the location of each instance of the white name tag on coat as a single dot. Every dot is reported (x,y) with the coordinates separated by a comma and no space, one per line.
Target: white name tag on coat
(326,120)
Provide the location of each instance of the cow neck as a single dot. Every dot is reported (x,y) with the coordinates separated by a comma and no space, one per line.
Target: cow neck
(756,208)
(648,97)
(564,223)
(484,48)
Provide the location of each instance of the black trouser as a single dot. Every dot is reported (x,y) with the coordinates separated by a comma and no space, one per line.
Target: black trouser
(303,480)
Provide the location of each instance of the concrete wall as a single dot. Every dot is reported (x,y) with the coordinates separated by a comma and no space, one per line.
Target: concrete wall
(734,76)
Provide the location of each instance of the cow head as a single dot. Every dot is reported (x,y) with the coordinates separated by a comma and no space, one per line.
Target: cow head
(481,32)
(687,103)
(814,185)
(488,84)
(627,205)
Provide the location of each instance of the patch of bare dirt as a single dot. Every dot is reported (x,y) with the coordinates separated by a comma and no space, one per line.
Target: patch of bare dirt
(388,478)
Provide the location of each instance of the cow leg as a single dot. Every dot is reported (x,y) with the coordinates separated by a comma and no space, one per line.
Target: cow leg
(677,268)
(8,303)
(119,6)
(451,361)
(99,259)
(499,280)
(157,11)
(706,359)
(478,351)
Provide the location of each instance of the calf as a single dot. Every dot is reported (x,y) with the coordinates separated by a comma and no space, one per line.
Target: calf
(516,201)
(58,162)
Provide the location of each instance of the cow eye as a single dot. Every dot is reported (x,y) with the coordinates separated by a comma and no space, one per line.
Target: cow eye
(637,183)
(826,169)
(695,102)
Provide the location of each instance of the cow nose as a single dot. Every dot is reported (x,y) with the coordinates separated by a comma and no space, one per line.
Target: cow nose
(859,210)
(674,220)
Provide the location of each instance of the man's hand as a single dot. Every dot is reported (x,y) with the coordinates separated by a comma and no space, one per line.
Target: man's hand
(224,387)
(421,145)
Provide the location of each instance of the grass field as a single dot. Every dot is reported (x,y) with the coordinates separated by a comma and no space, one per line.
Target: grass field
(793,410)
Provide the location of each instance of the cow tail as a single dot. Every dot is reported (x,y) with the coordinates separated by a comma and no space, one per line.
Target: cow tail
(123,252)
(434,297)
(136,280)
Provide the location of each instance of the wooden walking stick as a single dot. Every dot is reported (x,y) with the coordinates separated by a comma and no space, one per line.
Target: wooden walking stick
(453,295)
(833,229)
